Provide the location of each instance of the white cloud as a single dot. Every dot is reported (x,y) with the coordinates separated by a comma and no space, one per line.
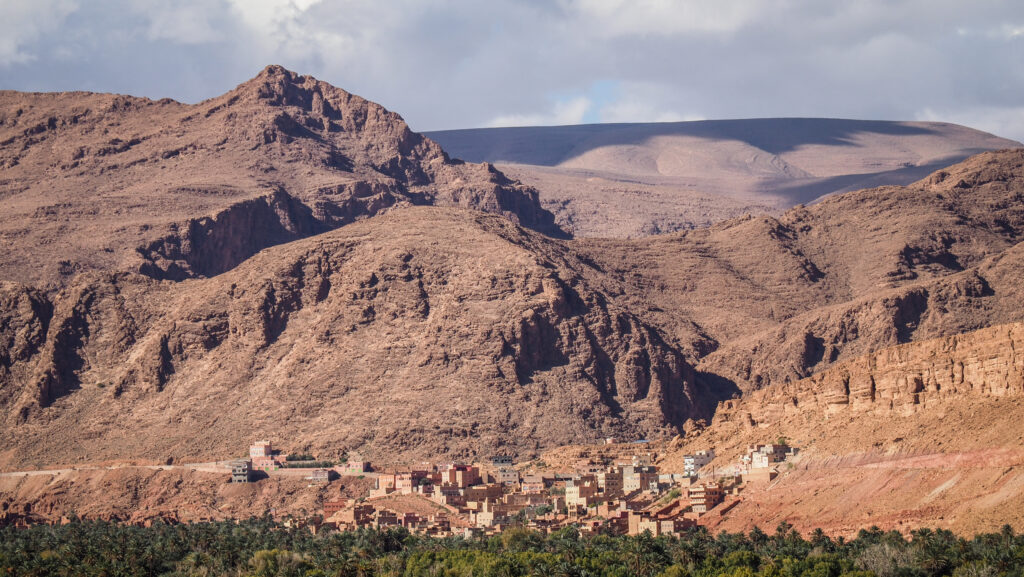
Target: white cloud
(639,17)
(22,22)
(626,111)
(1004,31)
(562,113)
(1007,122)
(461,63)
(181,22)
(646,102)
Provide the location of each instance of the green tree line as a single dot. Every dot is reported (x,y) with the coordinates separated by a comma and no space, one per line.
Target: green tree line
(265,548)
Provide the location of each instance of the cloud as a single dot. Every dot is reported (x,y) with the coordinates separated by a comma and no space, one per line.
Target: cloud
(23,23)
(646,102)
(462,63)
(662,17)
(568,112)
(180,22)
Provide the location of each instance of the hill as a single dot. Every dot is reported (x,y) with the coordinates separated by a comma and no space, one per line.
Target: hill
(433,331)
(924,434)
(100,182)
(422,332)
(765,299)
(631,180)
(314,272)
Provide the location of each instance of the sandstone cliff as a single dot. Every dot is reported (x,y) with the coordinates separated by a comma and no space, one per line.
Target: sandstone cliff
(901,379)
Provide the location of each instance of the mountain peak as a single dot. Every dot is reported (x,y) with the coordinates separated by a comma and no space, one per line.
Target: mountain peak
(273,70)
(275,85)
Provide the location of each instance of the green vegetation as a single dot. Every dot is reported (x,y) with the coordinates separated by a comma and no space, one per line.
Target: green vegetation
(306,457)
(262,547)
(307,465)
(672,495)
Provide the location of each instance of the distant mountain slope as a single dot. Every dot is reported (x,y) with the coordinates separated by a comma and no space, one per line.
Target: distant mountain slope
(106,182)
(627,180)
(176,280)
(779,298)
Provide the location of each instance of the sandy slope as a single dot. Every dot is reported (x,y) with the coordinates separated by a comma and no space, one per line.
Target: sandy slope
(627,180)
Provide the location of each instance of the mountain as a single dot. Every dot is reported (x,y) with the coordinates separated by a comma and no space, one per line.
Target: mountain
(766,299)
(100,182)
(311,271)
(632,180)
(421,332)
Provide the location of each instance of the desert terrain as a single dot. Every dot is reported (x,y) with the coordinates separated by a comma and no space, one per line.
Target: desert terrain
(290,261)
(633,180)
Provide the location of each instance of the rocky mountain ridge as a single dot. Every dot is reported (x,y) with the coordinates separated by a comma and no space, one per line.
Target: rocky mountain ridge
(109,182)
(381,337)
(281,279)
(769,299)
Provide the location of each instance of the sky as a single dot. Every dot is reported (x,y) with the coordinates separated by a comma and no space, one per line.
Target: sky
(469,63)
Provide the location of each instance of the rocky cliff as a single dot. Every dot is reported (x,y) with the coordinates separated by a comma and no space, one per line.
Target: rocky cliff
(901,379)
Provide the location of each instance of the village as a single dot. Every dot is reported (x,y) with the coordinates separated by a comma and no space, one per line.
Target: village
(600,495)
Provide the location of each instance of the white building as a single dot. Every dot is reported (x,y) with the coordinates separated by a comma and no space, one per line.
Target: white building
(763,456)
(697,461)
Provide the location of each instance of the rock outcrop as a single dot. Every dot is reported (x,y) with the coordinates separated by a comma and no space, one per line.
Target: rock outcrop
(902,379)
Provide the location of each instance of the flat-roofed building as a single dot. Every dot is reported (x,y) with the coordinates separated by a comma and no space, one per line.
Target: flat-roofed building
(499,461)
(261,449)
(506,476)
(762,456)
(581,492)
(692,464)
(639,478)
(610,483)
(534,484)
(241,471)
(407,482)
(334,505)
(319,476)
(461,476)
(704,497)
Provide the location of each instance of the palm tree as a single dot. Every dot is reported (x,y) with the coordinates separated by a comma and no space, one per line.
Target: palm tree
(639,554)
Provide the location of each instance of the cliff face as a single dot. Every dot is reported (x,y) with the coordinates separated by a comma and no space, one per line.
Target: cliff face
(901,379)
(99,182)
